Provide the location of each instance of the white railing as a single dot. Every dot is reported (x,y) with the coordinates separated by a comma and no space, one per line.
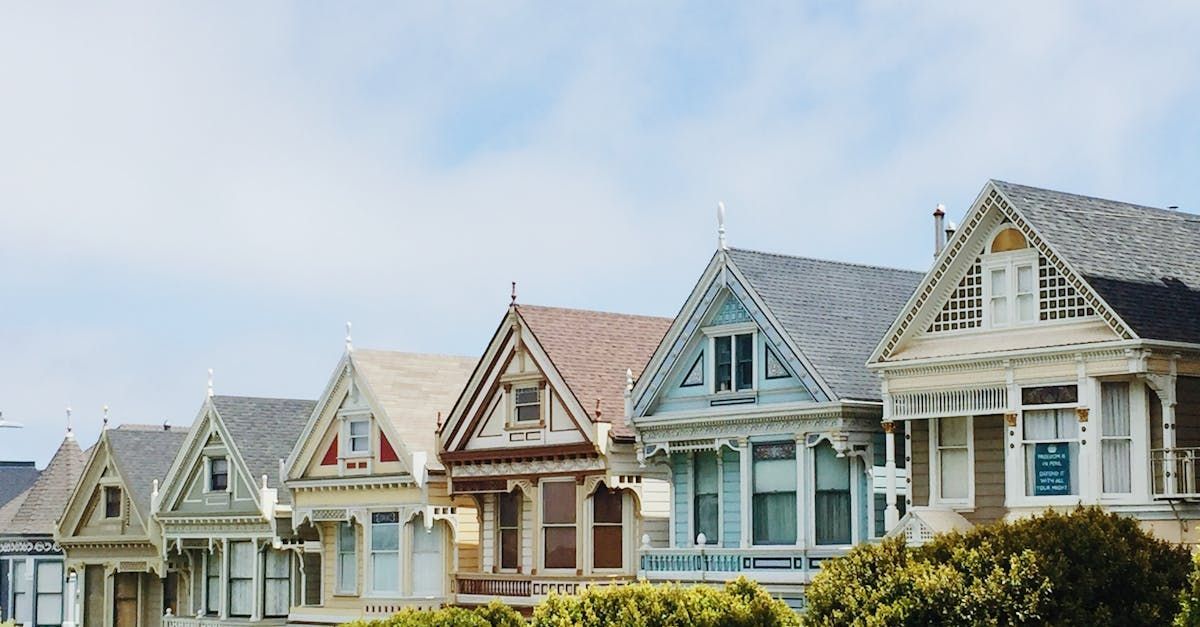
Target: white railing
(1175,472)
(962,402)
(765,564)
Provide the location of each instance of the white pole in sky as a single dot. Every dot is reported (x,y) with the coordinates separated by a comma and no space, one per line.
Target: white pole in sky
(8,424)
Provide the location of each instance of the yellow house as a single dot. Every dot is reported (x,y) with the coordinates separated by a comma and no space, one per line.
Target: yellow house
(1050,358)
(112,541)
(367,484)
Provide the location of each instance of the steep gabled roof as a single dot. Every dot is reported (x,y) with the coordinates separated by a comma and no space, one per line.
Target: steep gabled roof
(42,504)
(591,350)
(835,312)
(142,454)
(264,430)
(1144,262)
(412,389)
(15,478)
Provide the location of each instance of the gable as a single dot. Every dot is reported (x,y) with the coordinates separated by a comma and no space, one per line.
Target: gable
(515,373)
(683,373)
(998,286)
(187,488)
(86,515)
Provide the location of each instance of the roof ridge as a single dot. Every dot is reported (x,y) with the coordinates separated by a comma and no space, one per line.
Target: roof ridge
(852,264)
(593,311)
(1186,215)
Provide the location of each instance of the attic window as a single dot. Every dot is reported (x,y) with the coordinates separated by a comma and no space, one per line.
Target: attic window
(360,436)
(528,404)
(1008,240)
(218,475)
(112,502)
(695,376)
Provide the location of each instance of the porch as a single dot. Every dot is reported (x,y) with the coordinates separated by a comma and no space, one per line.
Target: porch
(767,565)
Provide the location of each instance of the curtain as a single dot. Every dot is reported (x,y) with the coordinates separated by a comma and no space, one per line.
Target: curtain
(347,560)
(278,583)
(953,473)
(385,554)
(241,578)
(832,515)
(707,510)
(1116,441)
(774,501)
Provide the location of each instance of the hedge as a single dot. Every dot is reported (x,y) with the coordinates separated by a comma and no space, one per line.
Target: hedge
(1084,568)
(494,614)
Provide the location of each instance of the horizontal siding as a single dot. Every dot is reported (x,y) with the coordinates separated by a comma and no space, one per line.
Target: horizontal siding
(989,470)
(656,511)
(918,434)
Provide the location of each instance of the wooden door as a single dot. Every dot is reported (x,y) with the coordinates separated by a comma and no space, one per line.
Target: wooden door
(125,600)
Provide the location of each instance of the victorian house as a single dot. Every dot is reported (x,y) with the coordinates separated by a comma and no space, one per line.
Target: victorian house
(538,441)
(758,408)
(1051,357)
(225,517)
(112,542)
(33,582)
(365,478)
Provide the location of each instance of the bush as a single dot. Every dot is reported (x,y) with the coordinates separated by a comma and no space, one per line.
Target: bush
(1189,600)
(494,614)
(739,603)
(1083,568)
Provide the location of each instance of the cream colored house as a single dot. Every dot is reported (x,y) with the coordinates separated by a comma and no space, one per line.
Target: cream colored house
(539,441)
(112,542)
(368,488)
(1051,357)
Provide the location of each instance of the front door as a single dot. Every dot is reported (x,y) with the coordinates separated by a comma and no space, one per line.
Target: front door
(125,600)
(428,576)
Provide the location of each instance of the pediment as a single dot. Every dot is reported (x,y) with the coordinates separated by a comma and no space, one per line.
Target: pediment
(189,484)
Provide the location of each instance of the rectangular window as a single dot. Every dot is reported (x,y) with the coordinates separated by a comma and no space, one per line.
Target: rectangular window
(49,592)
(510,530)
(954,472)
(558,523)
(385,552)
(745,361)
(347,563)
(1050,439)
(733,362)
(774,502)
(125,599)
(706,510)
(1026,294)
(21,584)
(999,299)
(832,499)
(723,352)
(212,575)
(528,403)
(241,578)
(360,436)
(608,550)
(277,584)
(112,502)
(1116,439)
(218,474)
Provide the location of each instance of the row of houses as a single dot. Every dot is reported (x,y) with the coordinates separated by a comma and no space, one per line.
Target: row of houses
(792,409)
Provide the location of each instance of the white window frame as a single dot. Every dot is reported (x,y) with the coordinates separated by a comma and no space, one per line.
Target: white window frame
(1015,492)
(541,401)
(1009,262)
(935,471)
(580,547)
(340,551)
(208,481)
(1139,430)
(692,513)
(368,553)
(732,331)
(352,420)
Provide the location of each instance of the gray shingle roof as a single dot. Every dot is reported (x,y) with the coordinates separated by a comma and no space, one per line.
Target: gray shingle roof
(43,502)
(142,454)
(1143,261)
(264,430)
(15,478)
(835,312)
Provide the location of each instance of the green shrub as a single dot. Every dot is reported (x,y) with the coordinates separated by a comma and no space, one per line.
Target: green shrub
(739,603)
(494,614)
(1083,568)
(1189,600)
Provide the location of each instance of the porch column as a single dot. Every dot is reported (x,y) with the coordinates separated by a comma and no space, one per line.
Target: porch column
(224,593)
(747,488)
(69,600)
(1166,394)
(260,554)
(891,514)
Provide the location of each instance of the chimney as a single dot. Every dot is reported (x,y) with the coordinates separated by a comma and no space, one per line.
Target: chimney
(939,229)
(951,227)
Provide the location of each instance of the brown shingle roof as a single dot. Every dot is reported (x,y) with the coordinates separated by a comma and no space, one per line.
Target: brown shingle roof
(592,350)
(42,504)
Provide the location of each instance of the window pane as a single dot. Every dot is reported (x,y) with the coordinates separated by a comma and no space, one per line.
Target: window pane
(385,537)
(509,548)
(527,396)
(347,572)
(385,572)
(241,597)
(706,472)
(1114,407)
(953,473)
(952,431)
(774,518)
(1115,454)
(775,467)
(49,609)
(723,360)
(999,282)
(241,559)
(358,427)
(1040,424)
(529,412)
(560,547)
(346,537)
(49,577)
(999,311)
(278,565)
(277,597)
(833,472)
(112,502)
(832,500)
(510,509)
(707,517)
(1026,307)
(607,506)
(607,548)
(745,361)
(1024,279)
(558,502)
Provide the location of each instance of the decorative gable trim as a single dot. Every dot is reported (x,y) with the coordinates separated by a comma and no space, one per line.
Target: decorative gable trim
(207,423)
(77,503)
(949,269)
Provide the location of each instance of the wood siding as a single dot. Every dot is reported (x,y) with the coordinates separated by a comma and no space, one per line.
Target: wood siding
(989,470)
(918,434)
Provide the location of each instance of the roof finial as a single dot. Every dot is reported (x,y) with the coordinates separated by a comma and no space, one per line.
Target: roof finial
(513,297)
(628,380)
(70,431)
(104,420)
(721,226)
(210,383)
(349,340)
(597,409)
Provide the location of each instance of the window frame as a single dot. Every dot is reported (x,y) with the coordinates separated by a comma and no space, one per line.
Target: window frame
(267,578)
(1010,262)
(935,467)
(1021,497)
(800,490)
(369,552)
(732,332)
(537,387)
(341,551)
(694,513)
(109,490)
(619,525)
(556,525)
(213,474)
(519,497)
(357,419)
(231,579)
(212,606)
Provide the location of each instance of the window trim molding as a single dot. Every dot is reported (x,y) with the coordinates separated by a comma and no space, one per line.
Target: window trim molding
(520,494)
(1015,493)
(710,354)
(348,419)
(1009,261)
(935,487)
(338,550)
(542,526)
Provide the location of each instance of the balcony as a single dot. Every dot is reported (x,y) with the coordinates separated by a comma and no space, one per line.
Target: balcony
(522,590)
(767,565)
(1175,473)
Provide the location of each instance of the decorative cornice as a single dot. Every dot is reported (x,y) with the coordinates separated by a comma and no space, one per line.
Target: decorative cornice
(1000,361)
(518,468)
(347,483)
(784,424)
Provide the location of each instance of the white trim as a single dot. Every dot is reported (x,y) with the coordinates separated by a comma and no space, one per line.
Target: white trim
(935,488)
(542,526)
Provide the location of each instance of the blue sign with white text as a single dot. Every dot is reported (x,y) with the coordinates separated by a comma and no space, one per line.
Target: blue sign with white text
(1052,469)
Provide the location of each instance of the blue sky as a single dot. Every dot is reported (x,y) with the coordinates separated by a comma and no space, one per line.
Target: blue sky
(223,185)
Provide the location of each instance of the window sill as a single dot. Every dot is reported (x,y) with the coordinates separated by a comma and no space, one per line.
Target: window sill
(525,426)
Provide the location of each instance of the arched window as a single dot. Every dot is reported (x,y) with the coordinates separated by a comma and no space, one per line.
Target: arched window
(1008,239)
(607,518)
(509,529)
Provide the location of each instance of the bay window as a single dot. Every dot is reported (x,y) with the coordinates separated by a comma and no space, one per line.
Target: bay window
(608,549)
(347,560)
(385,552)
(832,500)
(733,362)
(705,507)
(510,530)
(1116,438)
(241,578)
(558,524)
(952,458)
(774,500)
(1050,440)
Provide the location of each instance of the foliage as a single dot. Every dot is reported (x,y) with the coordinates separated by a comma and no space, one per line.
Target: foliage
(1083,568)
(739,603)
(494,614)
(1189,600)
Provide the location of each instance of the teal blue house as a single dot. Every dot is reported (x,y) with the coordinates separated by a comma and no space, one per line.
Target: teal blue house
(759,411)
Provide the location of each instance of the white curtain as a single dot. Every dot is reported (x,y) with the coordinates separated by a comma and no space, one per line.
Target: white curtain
(1116,441)
(952,457)
(347,564)
(774,501)
(385,557)
(241,578)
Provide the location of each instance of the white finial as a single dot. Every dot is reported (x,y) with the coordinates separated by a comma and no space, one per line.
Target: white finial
(628,380)
(70,431)
(349,340)
(721,226)
(701,540)
(104,421)
(210,383)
